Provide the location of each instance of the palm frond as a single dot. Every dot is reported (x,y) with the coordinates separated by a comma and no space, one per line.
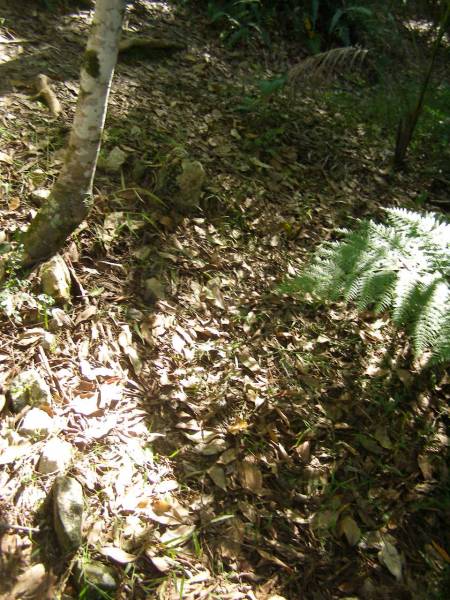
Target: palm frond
(321,67)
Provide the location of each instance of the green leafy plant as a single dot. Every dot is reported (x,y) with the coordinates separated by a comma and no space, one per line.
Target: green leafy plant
(16,294)
(319,22)
(330,21)
(239,19)
(312,72)
(340,22)
(403,265)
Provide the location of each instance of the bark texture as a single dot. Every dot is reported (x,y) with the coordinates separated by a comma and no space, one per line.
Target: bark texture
(71,198)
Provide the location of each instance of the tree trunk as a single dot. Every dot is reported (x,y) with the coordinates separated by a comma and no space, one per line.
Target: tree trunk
(71,198)
(409,121)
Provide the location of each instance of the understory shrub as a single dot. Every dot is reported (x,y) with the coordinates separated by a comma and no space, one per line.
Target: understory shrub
(317,22)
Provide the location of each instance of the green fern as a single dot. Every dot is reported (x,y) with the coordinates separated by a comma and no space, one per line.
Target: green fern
(403,265)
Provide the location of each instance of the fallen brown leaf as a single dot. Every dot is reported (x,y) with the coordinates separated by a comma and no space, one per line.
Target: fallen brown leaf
(250,477)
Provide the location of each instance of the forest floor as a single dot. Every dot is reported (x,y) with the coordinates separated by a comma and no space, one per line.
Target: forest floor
(232,441)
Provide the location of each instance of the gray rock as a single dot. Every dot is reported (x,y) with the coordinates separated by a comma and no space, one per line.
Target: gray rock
(59,320)
(114,161)
(96,575)
(154,290)
(48,341)
(190,183)
(180,181)
(68,512)
(40,195)
(55,457)
(28,388)
(37,423)
(55,279)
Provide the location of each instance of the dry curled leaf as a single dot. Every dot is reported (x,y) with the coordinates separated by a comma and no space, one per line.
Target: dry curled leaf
(161,506)
(250,362)
(217,474)
(162,563)
(304,451)
(273,559)
(118,555)
(175,537)
(125,340)
(348,527)
(31,584)
(425,466)
(178,343)
(391,559)
(231,541)
(250,477)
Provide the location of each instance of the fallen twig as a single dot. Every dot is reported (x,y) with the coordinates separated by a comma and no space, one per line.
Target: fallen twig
(6,527)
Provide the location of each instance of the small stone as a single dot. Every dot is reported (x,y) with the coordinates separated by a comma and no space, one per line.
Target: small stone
(97,575)
(68,512)
(135,315)
(28,388)
(154,290)
(190,183)
(55,279)
(114,161)
(40,195)
(59,319)
(48,341)
(55,457)
(37,423)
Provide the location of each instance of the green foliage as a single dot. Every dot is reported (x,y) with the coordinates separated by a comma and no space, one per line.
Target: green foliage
(328,21)
(266,88)
(318,22)
(16,293)
(238,19)
(403,265)
(404,83)
(311,72)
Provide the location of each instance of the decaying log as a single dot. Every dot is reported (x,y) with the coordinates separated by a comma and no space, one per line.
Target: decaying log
(149,43)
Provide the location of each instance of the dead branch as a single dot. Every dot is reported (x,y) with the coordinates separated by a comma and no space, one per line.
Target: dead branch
(45,92)
(149,43)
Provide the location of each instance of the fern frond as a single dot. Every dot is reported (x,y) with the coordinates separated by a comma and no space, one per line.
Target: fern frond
(435,306)
(404,265)
(321,67)
(441,350)
(380,286)
(407,296)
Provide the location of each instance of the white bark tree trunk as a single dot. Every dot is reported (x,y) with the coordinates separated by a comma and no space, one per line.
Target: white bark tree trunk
(71,198)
